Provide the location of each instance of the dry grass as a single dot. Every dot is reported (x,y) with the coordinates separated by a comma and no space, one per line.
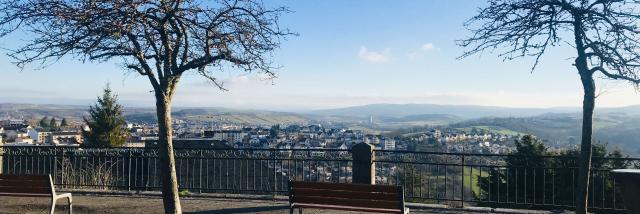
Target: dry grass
(87,176)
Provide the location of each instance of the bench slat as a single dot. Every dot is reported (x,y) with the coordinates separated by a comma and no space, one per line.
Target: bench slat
(24,177)
(26,189)
(21,183)
(346,187)
(381,196)
(347,208)
(24,194)
(347,202)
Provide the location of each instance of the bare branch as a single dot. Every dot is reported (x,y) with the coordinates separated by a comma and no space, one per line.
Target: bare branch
(173,37)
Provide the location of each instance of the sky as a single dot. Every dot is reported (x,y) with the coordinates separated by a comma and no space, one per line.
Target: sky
(347,53)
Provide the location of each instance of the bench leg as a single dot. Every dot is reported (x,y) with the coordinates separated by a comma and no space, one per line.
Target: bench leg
(291,210)
(53,205)
(70,205)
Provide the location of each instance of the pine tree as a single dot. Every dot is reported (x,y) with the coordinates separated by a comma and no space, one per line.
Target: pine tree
(64,122)
(53,125)
(44,123)
(107,126)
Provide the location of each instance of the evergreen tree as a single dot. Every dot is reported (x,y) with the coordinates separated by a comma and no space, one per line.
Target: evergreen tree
(64,122)
(274,131)
(107,127)
(53,125)
(44,123)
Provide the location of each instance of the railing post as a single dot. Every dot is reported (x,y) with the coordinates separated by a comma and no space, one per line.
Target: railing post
(129,170)
(200,173)
(275,178)
(62,163)
(1,156)
(462,186)
(364,170)
(55,165)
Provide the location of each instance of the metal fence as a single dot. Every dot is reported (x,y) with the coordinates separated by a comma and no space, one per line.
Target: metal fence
(254,171)
(490,180)
(540,182)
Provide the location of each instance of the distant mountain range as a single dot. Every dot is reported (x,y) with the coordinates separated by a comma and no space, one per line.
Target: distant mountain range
(462,111)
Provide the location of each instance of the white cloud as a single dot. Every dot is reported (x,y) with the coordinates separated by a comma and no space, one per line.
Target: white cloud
(373,56)
(427,47)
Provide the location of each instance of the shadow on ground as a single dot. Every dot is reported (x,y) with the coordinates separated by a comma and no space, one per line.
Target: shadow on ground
(244,210)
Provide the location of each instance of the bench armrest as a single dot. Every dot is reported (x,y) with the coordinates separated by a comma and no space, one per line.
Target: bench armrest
(64,195)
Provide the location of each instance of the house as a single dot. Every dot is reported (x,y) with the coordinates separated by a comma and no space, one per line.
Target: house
(23,141)
(228,135)
(66,138)
(12,123)
(388,143)
(40,136)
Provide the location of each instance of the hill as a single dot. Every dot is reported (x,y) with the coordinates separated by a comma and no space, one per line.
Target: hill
(34,112)
(616,129)
(462,111)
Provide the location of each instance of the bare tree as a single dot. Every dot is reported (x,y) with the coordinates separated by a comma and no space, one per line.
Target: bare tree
(604,34)
(159,39)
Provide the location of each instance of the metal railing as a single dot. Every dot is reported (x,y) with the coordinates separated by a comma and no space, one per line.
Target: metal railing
(542,182)
(533,182)
(254,171)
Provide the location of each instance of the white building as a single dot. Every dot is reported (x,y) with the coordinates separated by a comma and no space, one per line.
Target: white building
(232,136)
(39,136)
(388,143)
(65,138)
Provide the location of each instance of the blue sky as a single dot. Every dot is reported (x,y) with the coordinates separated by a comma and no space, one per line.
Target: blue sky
(348,53)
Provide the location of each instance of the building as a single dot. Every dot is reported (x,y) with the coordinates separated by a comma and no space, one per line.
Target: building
(24,141)
(372,139)
(38,135)
(388,143)
(231,136)
(68,138)
(12,123)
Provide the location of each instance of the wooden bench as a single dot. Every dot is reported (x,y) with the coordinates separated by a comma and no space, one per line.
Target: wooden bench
(31,186)
(351,197)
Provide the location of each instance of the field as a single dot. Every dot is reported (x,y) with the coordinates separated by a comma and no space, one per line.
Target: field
(493,129)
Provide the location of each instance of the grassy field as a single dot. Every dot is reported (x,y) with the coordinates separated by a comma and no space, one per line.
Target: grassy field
(492,129)
(249,118)
(473,175)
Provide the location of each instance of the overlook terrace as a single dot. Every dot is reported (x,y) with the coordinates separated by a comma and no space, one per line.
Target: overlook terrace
(453,180)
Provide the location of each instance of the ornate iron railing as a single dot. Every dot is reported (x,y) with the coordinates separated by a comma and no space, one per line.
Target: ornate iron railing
(428,177)
(538,182)
(262,171)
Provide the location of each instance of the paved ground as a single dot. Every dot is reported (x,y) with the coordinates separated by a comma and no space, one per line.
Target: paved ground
(153,204)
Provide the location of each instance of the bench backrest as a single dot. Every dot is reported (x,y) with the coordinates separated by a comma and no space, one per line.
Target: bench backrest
(26,185)
(354,195)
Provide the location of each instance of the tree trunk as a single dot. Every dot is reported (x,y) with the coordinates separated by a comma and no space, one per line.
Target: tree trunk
(170,196)
(584,165)
(588,104)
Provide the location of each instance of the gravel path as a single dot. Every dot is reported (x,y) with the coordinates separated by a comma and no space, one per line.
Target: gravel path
(153,204)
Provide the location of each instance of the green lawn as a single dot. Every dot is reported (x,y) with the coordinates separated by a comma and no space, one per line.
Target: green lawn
(473,175)
(493,129)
